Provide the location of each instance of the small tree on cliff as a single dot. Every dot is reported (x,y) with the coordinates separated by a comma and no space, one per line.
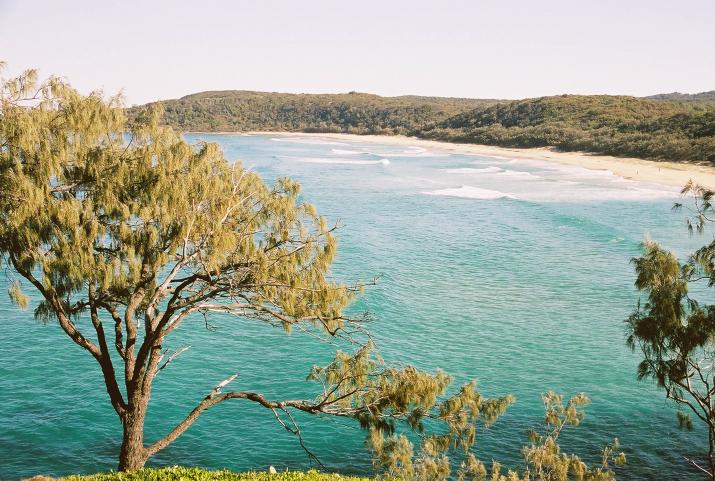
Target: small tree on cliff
(127,232)
(674,332)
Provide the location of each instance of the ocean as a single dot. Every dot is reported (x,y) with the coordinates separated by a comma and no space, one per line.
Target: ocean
(513,272)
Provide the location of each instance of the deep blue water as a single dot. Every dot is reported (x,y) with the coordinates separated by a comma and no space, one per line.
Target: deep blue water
(513,272)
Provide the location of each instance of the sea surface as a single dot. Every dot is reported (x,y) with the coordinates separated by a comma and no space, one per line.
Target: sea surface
(513,272)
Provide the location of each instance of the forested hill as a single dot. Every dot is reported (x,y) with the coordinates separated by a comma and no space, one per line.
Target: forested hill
(359,113)
(678,97)
(613,125)
(676,127)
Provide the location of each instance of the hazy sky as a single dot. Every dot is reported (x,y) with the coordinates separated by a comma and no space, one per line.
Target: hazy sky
(477,48)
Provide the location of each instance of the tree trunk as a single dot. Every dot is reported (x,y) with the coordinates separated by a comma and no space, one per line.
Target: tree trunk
(711,450)
(133,455)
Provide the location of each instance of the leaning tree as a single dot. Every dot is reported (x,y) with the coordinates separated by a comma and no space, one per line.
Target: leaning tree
(127,232)
(674,332)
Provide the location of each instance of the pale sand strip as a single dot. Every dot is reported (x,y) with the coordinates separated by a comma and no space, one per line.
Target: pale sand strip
(666,173)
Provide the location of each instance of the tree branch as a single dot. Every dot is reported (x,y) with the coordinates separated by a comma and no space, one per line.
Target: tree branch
(105,359)
(215,397)
(65,322)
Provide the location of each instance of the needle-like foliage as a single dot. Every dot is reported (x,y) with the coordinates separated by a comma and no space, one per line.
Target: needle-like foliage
(674,332)
(127,232)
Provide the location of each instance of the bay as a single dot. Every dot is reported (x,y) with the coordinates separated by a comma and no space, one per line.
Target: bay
(514,272)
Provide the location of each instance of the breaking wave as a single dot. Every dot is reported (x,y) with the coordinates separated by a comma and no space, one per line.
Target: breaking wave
(520,173)
(471,170)
(346,152)
(469,192)
(408,152)
(307,140)
(323,160)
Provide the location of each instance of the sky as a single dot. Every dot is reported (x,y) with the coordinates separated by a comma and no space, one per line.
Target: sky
(153,50)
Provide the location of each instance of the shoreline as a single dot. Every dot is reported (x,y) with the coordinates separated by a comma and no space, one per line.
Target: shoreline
(674,174)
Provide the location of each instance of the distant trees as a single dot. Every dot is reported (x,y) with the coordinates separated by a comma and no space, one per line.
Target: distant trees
(355,112)
(674,332)
(612,125)
(619,126)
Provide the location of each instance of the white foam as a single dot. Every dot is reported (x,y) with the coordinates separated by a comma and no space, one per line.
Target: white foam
(408,152)
(346,152)
(584,193)
(469,192)
(623,180)
(571,170)
(520,173)
(470,170)
(498,157)
(323,160)
(583,172)
(543,164)
(307,140)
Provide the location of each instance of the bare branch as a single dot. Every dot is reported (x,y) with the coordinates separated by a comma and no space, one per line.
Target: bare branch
(216,397)
(176,353)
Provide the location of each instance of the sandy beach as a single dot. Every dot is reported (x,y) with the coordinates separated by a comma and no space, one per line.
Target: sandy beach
(665,173)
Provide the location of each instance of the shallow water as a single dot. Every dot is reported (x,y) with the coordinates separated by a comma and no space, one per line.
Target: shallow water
(515,272)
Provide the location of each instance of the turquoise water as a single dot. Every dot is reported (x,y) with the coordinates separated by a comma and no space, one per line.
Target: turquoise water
(513,272)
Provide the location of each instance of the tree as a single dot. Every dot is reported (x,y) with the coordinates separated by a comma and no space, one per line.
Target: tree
(127,232)
(543,457)
(673,331)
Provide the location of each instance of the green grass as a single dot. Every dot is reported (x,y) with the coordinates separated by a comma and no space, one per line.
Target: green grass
(197,474)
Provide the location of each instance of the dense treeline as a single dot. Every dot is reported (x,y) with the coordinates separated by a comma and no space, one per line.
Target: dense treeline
(356,113)
(613,125)
(676,127)
(708,96)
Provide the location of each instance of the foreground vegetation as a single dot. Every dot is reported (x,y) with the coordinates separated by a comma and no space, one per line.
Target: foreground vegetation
(121,223)
(675,127)
(674,332)
(127,232)
(178,473)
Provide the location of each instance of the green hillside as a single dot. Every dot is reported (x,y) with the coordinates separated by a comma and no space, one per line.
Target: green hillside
(613,125)
(708,96)
(239,110)
(675,127)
